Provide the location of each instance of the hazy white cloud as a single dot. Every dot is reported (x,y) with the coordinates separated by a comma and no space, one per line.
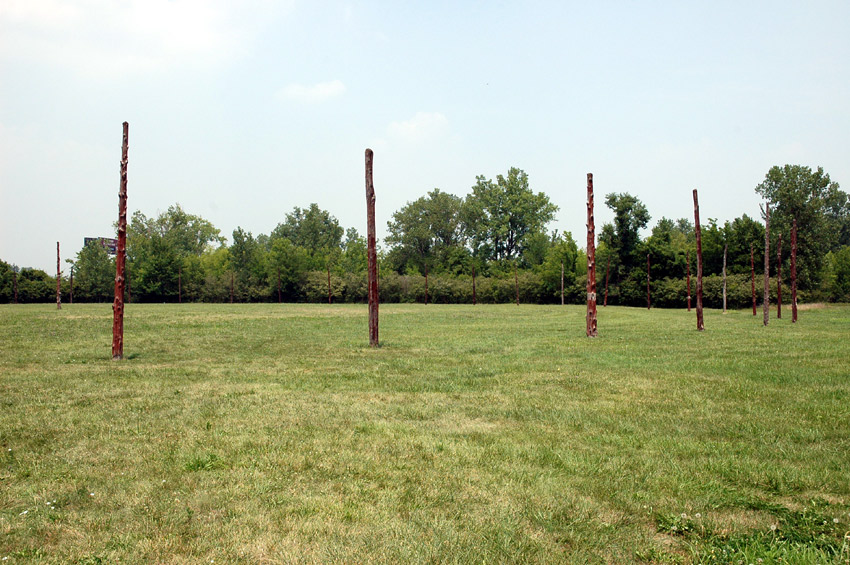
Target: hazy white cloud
(99,36)
(423,126)
(312,93)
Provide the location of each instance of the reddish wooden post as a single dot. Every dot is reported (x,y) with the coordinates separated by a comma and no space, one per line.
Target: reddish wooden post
(591,262)
(607,268)
(725,250)
(779,278)
(120,255)
(180,285)
(330,293)
(700,320)
(794,271)
(279,295)
(562,283)
(15,283)
(753,277)
(516,284)
(58,280)
(372,253)
(426,284)
(766,306)
(648,304)
(231,286)
(474,299)
(688,261)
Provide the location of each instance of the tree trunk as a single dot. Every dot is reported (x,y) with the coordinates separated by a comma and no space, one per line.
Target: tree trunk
(474,299)
(607,268)
(794,271)
(725,251)
(120,255)
(779,277)
(371,252)
(562,283)
(753,277)
(591,262)
(766,306)
(700,320)
(688,261)
(58,280)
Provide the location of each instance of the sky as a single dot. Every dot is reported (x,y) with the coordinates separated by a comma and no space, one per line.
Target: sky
(241,111)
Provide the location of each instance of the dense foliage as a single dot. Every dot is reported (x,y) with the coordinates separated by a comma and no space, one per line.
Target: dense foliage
(498,231)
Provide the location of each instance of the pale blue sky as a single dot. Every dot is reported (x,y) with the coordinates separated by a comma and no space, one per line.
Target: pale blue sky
(240,111)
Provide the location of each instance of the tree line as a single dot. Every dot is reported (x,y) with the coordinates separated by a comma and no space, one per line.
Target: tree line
(437,243)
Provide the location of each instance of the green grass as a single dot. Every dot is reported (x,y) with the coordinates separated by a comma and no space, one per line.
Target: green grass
(274,434)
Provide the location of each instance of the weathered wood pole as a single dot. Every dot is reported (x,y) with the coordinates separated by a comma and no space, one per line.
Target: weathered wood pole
(700,320)
(120,255)
(72,284)
(562,283)
(371,252)
(688,261)
(591,262)
(474,299)
(231,286)
(426,284)
(516,284)
(279,294)
(179,285)
(330,293)
(58,280)
(15,283)
(725,251)
(766,306)
(794,271)
(648,304)
(607,268)
(753,277)
(779,277)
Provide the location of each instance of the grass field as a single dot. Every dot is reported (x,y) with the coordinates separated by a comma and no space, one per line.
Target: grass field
(272,434)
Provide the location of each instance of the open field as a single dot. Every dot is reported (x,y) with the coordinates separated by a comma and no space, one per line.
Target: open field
(272,434)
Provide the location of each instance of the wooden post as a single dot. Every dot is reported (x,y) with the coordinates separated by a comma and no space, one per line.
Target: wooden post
(72,284)
(120,255)
(15,283)
(562,283)
(474,299)
(648,304)
(330,292)
(688,261)
(279,295)
(794,271)
(180,285)
(700,320)
(372,253)
(516,284)
(779,277)
(766,306)
(426,284)
(58,280)
(753,277)
(725,251)
(591,262)
(607,268)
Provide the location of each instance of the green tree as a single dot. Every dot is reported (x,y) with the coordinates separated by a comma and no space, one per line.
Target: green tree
(94,274)
(622,237)
(249,264)
(500,216)
(315,230)
(820,208)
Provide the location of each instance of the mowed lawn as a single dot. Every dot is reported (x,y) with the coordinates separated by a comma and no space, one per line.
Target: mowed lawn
(273,434)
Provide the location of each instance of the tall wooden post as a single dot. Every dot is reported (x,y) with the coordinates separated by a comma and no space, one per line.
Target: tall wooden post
(58,280)
(562,283)
(371,252)
(180,285)
(120,255)
(648,304)
(591,262)
(607,268)
(700,320)
(15,283)
(279,294)
(794,271)
(766,306)
(474,298)
(725,251)
(516,284)
(688,261)
(72,284)
(753,277)
(779,277)
(330,292)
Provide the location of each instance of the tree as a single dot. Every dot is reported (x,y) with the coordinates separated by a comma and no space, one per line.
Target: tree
(313,229)
(499,216)
(820,208)
(249,264)
(95,273)
(622,237)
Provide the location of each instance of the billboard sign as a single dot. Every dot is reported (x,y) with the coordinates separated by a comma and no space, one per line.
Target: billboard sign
(111,245)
